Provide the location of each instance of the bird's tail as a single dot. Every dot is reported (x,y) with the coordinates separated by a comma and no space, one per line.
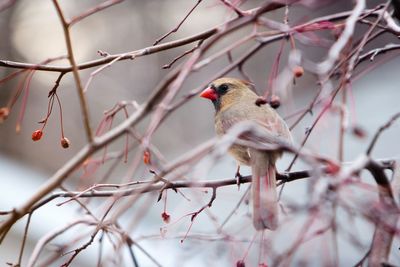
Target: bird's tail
(265,200)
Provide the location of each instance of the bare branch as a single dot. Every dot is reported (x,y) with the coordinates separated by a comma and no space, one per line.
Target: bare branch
(179,25)
(50,236)
(385,228)
(148,186)
(71,57)
(380,131)
(91,11)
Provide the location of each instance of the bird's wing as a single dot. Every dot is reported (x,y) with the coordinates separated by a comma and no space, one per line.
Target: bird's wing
(275,126)
(274,130)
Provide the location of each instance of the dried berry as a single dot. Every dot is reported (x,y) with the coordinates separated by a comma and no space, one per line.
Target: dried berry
(65,142)
(166,217)
(298,71)
(37,135)
(358,132)
(275,102)
(240,263)
(261,101)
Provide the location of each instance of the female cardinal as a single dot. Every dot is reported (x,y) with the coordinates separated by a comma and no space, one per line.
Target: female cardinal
(235,102)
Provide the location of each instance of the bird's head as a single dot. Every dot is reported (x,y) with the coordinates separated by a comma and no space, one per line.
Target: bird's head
(225,92)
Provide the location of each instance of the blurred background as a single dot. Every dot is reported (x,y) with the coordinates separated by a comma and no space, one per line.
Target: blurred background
(31,32)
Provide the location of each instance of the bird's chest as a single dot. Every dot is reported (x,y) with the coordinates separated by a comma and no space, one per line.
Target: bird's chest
(224,121)
(227,118)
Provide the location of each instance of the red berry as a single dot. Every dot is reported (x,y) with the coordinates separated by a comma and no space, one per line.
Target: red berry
(36,135)
(4,112)
(332,168)
(146,157)
(298,71)
(240,263)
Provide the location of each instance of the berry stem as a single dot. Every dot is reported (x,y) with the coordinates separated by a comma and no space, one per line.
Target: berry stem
(61,115)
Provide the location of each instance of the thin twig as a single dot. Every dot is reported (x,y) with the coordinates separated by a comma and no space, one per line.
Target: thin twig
(245,194)
(380,131)
(91,11)
(169,65)
(179,25)
(363,259)
(317,119)
(21,252)
(374,52)
(231,6)
(208,205)
(71,57)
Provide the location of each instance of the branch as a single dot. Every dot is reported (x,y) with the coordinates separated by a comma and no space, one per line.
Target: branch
(129,55)
(157,48)
(82,99)
(284,177)
(93,10)
(372,53)
(45,189)
(50,236)
(380,130)
(231,6)
(315,122)
(179,25)
(169,65)
(338,46)
(208,205)
(385,227)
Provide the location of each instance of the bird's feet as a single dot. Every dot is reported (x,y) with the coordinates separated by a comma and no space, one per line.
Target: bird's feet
(239,178)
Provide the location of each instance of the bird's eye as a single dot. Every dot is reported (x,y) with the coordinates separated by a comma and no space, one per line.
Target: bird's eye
(223,88)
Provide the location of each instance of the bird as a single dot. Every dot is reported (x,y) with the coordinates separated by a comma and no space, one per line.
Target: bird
(234,102)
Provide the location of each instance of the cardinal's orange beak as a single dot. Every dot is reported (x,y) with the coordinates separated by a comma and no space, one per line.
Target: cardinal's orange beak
(209,93)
